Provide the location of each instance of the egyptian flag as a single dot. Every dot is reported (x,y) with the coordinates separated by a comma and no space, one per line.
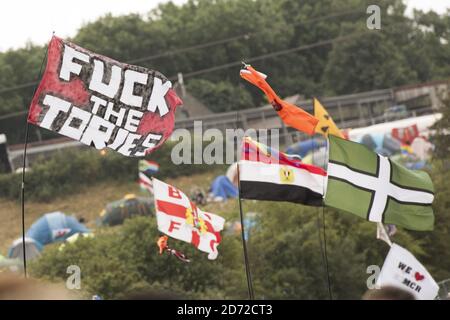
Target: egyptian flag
(291,115)
(267,174)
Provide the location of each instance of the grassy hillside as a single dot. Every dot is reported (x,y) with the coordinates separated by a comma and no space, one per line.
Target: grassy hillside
(285,251)
(88,203)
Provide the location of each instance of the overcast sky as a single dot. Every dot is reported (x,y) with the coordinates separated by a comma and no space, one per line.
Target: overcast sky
(35,20)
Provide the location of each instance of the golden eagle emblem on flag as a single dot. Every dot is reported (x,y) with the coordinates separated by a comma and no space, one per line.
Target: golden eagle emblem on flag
(286,175)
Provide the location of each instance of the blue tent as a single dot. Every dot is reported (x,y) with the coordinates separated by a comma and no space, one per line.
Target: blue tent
(53,227)
(382,143)
(302,148)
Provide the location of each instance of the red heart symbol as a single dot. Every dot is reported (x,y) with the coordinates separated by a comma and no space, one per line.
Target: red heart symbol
(418,276)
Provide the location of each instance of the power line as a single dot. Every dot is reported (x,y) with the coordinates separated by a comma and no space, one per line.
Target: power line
(252,59)
(195,47)
(200,46)
(271,55)
(12,115)
(19,86)
(261,57)
(243,36)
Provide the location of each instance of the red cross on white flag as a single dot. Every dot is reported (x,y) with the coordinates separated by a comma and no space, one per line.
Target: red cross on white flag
(179,218)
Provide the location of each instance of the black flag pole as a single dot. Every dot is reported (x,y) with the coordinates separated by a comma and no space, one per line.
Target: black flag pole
(325,253)
(241,214)
(323,247)
(23,199)
(22,186)
(244,243)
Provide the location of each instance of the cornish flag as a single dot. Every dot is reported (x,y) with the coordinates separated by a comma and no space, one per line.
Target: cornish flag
(180,218)
(267,174)
(376,188)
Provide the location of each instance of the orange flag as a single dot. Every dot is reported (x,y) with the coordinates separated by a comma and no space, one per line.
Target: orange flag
(162,243)
(291,115)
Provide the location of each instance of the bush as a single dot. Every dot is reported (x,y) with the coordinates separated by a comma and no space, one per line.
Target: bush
(120,261)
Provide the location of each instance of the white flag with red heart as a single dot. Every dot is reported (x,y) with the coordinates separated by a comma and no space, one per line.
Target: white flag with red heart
(402,270)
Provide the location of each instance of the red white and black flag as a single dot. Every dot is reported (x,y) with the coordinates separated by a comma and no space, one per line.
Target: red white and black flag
(267,174)
(102,102)
(179,218)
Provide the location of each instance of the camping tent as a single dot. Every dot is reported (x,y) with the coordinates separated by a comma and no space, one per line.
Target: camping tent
(302,148)
(53,227)
(6,262)
(381,143)
(32,247)
(116,212)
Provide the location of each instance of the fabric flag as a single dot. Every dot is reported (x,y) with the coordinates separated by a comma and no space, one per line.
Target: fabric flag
(402,270)
(148,167)
(267,174)
(291,115)
(376,188)
(180,218)
(145,183)
(326,124)
(163,247)
(102,102)
(406,135)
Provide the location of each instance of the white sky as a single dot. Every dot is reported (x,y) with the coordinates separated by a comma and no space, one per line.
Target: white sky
(35,20)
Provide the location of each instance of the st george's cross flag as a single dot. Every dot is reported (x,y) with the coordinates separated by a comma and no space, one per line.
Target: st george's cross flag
(377,188)
(267,174)
(402,270)
(180,218)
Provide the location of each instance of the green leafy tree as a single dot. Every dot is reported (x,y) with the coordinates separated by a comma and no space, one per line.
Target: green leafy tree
(221,96)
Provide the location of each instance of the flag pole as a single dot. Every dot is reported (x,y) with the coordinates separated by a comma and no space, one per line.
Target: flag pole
(241,215)
(323,247)
(23,200)
(27,126)
(325,254)
(244,244)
